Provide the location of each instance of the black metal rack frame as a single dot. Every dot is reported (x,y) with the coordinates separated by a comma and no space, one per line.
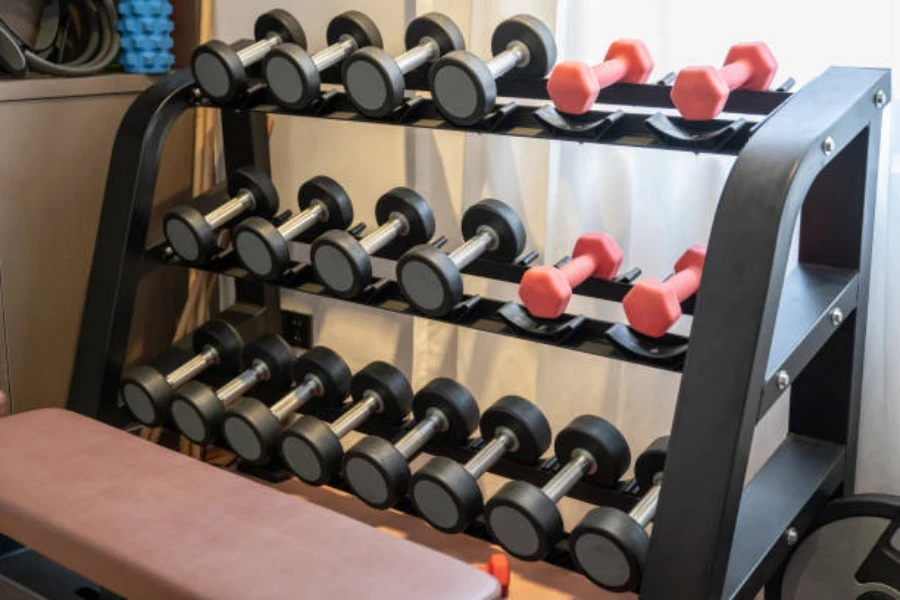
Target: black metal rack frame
(756,331)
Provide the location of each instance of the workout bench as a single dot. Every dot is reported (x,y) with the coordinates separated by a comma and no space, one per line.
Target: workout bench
(146,522)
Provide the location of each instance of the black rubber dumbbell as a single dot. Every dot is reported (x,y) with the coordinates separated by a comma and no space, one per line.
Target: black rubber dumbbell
(446,493)
(148,392)
(609,545)
(374,79)
(263,248)
(312,449)
(464,87)
(252,429)
(198,409)
(524,519)
(221,71)
(378,471)
(192,235)
(293,76)
(344,265)
(431,279)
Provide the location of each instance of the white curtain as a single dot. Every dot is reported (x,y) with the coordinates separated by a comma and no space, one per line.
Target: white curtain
(654,203)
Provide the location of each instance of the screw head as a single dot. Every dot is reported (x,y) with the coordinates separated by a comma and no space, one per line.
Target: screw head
(837,317)
(782,379)
(791,536)
(828,146)
(880,98)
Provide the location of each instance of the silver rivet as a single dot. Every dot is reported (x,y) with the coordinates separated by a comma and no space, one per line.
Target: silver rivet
(837,317)
(880,98)
(791,536)
(782,379)
(828,146)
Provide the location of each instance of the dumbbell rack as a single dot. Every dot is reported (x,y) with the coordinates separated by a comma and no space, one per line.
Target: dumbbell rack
(756,331)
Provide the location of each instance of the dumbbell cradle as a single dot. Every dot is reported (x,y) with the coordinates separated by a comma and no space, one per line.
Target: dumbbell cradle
(609,545)
(573,86)
(192,235)
(652,307)
(431,280)
(148,393)
(262,247)
(374,80)
(546,291)
(343,264)
(294,77)
(524,519)
(700,93)
(252,429)
(312,449)
(378,471)
(446,493)
(464,87)
(221,71)
(198,410)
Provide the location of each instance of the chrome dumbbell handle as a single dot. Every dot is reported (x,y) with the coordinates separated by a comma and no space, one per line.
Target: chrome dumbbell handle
(395,226)
(516,55)
(241,203)
(303,220)
(370,404)
(297,397)
(580,464)
(332,55)
(474,247)
(414,58)
(256,51)
(235,388)
(208,357)
(423,431)
(503,442)
(645,510)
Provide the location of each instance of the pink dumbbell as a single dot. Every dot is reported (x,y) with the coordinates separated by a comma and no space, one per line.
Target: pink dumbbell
(700,93)
(546,291)
(652,307)
(573,86)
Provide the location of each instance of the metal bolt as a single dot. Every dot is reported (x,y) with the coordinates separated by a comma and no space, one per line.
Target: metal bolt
(791,536)
(880,98)
(837,317)
(828,146)
(783,379)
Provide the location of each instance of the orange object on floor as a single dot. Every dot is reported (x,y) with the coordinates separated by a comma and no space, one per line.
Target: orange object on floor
(498,567)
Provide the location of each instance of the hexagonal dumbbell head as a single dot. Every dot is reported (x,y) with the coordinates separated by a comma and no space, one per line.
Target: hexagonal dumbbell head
(573,86)
(546,291)
(652,307)
(700,93)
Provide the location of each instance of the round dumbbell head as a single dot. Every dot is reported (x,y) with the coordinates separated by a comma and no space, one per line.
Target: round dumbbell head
(147,395)
(251,430)
(651,463)
(226,340)
(599,438)
(414,209)
(522,519)
(330,370)
(311,450)
(446,495)
(281,23)
(356,25)
(259,184)
(454,401)
(292,76)
(341,263)
(429,280)
(189,234)
(218,71)
(525,421)
(376,472)
(536,36)
(329,194)
(197,412)
(462,88)
(390,384)
(503,221)
(261,248)
(374,82)
(436,27)
(277,355)
(610,548)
